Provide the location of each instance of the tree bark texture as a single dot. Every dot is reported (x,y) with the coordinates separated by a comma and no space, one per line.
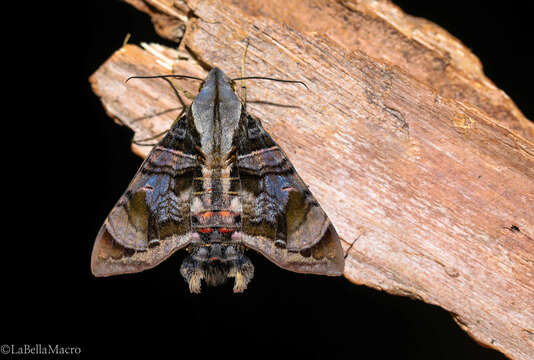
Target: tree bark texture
(425,168)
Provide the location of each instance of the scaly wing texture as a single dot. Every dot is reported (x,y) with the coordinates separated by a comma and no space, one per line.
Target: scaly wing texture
(281,218)
(152,218)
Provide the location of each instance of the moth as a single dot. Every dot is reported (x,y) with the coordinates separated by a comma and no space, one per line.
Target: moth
(217,184)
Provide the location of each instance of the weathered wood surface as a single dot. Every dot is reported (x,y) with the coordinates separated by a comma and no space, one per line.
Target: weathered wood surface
(425,167)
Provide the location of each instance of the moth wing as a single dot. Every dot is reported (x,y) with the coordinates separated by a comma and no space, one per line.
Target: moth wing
(281,219)
(151,220)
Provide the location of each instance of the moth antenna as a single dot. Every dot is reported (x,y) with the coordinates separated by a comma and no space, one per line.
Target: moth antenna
(141,141)
(272,79)
(163,112)
(164,77)
(177,95)
(173,76)
(243,83)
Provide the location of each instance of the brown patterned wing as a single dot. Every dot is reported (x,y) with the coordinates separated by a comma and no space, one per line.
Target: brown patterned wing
(152,219)
(281,219)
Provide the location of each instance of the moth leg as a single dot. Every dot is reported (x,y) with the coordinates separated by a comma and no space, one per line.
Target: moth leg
(281,233)
(193,274)
(244,272)
(195,282)
(141,142)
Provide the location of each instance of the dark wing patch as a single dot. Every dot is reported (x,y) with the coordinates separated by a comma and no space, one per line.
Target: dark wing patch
(281,218)
(325,258)
(151,219)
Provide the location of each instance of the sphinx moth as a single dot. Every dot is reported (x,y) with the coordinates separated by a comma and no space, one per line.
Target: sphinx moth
(217,184)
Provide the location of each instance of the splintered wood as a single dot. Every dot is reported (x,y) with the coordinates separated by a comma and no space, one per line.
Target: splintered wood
(425,168)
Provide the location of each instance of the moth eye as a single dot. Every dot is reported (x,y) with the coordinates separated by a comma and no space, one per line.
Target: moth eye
(194,220)
(237,219)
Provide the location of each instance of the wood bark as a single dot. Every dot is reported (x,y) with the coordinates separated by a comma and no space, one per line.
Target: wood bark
(425,168)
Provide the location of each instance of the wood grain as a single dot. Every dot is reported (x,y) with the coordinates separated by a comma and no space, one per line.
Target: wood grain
(425,168)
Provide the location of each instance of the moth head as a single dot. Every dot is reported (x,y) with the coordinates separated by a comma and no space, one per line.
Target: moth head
(215,263)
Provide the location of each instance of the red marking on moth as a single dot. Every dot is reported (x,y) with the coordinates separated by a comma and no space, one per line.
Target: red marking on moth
(225,230)
(213,258)
(205,230)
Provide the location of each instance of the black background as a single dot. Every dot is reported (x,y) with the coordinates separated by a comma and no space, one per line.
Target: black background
(52,298)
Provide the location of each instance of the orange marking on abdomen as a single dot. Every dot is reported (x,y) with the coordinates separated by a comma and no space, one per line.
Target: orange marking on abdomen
(223,213)
(207,214)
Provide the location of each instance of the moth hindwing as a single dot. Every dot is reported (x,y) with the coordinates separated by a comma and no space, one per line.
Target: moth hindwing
(218,184)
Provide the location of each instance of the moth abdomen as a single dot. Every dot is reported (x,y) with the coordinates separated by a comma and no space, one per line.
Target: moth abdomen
(216,252)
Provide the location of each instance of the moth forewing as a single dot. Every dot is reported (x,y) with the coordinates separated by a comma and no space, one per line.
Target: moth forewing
(275,193)
(218,183)
(150,220)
